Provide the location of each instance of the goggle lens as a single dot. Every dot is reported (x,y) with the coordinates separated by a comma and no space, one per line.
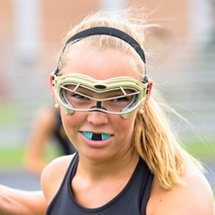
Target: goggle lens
(121,95)
(82,99)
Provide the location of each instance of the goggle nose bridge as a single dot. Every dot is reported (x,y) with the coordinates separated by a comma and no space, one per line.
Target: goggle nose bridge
(98,106)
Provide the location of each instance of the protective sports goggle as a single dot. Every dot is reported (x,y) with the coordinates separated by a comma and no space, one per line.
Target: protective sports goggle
(120,95)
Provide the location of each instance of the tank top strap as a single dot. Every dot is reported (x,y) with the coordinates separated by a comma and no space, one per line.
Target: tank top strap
(148,180)
(68,176)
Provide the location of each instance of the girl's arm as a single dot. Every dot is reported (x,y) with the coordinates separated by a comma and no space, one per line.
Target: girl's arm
(18,202)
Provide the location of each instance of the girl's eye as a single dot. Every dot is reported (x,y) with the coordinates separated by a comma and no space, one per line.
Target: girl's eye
(119,100)
(77,97)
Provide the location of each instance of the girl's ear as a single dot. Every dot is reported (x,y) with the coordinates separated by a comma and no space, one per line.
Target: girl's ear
(148,94)
(149,90)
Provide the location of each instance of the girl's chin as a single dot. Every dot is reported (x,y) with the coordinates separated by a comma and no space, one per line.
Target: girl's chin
(97,155)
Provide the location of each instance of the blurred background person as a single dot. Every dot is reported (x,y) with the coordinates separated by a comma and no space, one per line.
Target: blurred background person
(47,126)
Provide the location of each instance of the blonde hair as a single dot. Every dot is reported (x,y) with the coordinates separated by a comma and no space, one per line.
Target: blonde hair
(153,137)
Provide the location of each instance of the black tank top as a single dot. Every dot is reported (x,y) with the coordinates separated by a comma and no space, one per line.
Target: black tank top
(132,200)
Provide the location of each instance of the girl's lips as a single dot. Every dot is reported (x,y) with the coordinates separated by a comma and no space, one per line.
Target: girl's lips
(95,137)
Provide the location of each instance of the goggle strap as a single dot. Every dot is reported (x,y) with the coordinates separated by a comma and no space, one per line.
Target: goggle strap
(146,81)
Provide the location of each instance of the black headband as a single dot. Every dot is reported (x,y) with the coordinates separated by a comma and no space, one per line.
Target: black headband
(112,32)
(108,31)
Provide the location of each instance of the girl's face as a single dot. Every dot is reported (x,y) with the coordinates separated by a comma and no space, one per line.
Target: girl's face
(97,135)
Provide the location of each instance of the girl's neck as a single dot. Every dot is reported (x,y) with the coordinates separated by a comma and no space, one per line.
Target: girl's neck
(114,167)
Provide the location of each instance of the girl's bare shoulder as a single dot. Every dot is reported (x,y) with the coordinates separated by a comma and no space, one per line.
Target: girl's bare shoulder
(53,174)
(195,197)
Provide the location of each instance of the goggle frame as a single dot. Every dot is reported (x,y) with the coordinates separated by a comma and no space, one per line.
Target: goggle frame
(122,83)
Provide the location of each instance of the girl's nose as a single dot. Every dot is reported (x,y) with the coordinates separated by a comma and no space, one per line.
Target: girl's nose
(97,118)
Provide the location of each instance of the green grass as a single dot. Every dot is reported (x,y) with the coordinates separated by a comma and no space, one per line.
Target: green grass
(13,158)
(204,150)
